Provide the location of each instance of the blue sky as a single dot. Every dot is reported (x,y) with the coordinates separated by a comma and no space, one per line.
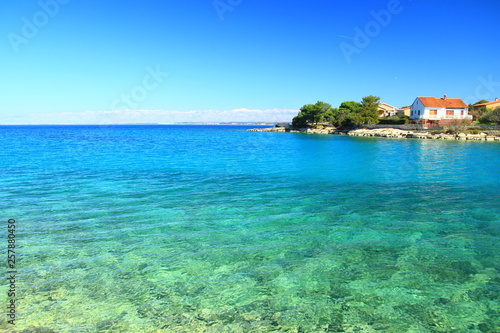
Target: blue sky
(75,61)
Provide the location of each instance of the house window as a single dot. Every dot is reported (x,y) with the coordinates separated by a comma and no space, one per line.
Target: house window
(433,113)
(450,112)
(462,112)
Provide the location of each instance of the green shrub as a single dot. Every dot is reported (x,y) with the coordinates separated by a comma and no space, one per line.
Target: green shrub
(474,130)
(491,117)
(391,121)
(395,120)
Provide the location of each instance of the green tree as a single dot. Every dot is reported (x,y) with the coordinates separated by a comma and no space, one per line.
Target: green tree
(350,106)
(300,120)
(312,114)
(481,102)
(343,115)
(368,111)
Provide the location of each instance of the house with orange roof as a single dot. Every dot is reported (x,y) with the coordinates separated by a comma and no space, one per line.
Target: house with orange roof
(490,106)
(386,110)
(438,111)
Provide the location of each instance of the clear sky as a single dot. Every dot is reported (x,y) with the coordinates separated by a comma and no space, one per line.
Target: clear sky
(116,61)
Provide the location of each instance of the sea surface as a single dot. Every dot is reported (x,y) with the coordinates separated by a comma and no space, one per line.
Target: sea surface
(216,229)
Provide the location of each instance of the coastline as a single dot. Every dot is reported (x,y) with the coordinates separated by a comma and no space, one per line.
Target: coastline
(388,133)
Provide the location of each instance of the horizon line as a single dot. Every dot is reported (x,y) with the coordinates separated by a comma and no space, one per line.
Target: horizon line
(174,123)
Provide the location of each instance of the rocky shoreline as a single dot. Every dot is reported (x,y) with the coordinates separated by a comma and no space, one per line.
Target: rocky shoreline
(388,133)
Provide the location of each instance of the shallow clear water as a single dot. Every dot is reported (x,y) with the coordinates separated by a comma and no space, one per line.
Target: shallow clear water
(215,229)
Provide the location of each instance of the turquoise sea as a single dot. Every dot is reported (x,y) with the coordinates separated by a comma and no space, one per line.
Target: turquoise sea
(216,229)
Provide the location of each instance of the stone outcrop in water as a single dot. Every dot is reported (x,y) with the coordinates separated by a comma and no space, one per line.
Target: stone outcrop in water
(388,133)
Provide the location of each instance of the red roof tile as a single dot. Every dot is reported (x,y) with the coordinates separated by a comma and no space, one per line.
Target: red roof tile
(487,104)
(453,103)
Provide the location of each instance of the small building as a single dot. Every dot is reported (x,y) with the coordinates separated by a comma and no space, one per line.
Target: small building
(406,111)
(490,106)
(432,111)
(386,110)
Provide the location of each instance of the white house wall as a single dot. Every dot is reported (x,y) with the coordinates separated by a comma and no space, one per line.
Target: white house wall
(415,107)
(441,112)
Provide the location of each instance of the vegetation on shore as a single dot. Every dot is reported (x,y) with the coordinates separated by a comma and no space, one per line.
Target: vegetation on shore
(351,114)
(348,114)
(485,115)
(490,117)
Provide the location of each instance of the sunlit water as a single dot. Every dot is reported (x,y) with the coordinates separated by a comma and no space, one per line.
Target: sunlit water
(215,229)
